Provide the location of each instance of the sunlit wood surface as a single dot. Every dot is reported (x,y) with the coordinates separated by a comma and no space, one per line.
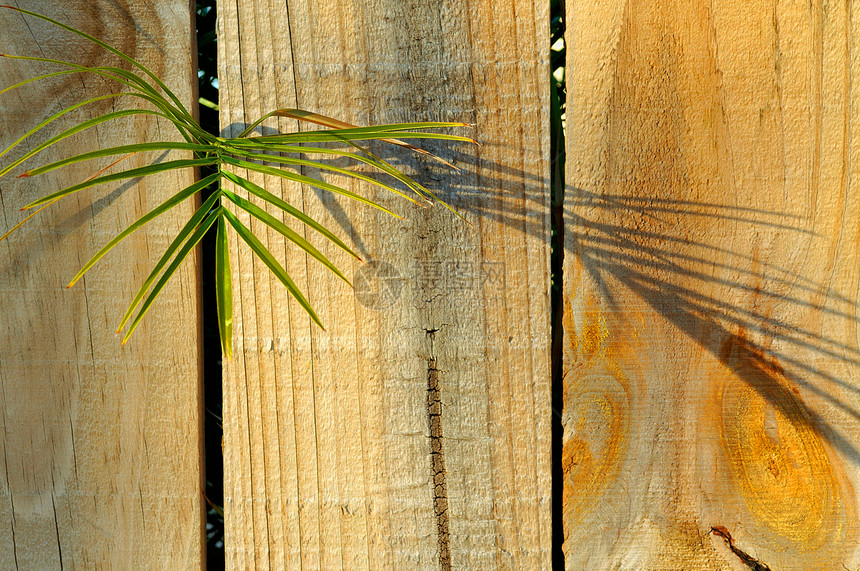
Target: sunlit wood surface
(413,433)
(712,264)
(99,443)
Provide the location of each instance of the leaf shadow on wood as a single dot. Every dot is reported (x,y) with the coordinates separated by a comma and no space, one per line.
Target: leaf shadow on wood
(61,219)
(636,244)
(643,245)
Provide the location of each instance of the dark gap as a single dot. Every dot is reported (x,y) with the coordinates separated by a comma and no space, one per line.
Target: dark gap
(558,95)
(207,77)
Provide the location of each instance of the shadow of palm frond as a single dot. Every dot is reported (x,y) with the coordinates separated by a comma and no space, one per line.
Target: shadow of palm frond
(723,297)
(730,301)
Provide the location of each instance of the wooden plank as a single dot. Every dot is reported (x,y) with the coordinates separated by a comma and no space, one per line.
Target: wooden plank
(331,437)
(712,283)
(100,444)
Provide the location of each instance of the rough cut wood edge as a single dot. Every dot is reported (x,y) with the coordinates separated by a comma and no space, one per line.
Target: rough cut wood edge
(100,461)
(332,437)
(712,285)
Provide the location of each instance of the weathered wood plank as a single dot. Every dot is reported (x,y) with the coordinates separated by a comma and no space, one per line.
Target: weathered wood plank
(328,434)
(100,444)
(712,283)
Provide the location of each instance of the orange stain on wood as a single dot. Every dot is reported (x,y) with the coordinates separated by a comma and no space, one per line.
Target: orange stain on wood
(779,462)
(591,456)
(597,417)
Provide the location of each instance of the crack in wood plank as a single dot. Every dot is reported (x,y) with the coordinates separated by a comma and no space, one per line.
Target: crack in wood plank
(750,562)
(437,463)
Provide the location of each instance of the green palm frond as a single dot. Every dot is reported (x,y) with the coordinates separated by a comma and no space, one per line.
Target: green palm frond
(245,152)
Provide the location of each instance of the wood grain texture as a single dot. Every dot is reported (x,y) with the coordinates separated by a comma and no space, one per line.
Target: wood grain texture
(712,284)
(99,444)
(413,433)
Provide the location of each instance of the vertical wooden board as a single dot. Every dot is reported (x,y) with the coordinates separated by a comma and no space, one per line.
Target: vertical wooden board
(100,443)
(712,283)
(328,434)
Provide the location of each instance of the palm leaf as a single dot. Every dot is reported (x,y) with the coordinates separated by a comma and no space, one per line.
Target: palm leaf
(158,211)
(262,169)
(246,152)
(171,269)
(264,194)
(321,166)
(389,168)
(53,118)
(284,230)
(120,150)
(224,289)
(146,91)
(174,246)
(368,160)
(122,175)
(77,69)
(111,49)
(316,118)
(273,265)
(68,133)
(363,134)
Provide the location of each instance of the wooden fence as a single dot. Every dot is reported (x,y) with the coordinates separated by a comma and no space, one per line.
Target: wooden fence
(711,362)
(100,443)
(712,241)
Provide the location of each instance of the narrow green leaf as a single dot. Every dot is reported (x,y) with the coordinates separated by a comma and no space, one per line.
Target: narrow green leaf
(306,180)
(368,160)
(39,77)
(321,166)
(316,118)
(310,117)
(183,234)
(125,77)
(22,222)
(117,74)
(264,194)
(121,150)
(154,213)
(273,264)
(68,133)
(431,194)
(387,167)
(285,230)
(171,269)
(224,290)
(126,174)
(54,117)
(110,49)
(337,135)
(104,71)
